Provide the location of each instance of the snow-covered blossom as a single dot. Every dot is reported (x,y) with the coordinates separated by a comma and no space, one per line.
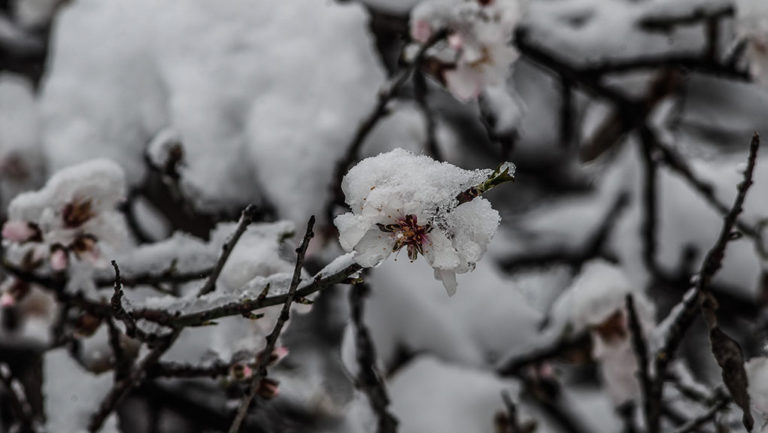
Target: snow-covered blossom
(477,52)
(72,217)
(596,302)
(752,26)
(401,200)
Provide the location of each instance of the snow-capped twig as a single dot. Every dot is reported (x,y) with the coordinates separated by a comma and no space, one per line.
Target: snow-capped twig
(696,423)
(650,200)
(18,401)
(702,297)
(679,165)
(664,22)
(369,379)
(240,308)
(640,347)
(385,95)
(247,217)
(262,360)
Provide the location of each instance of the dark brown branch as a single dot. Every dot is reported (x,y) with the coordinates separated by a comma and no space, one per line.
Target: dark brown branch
(240,308)
(695,424)
(260,369)
(386,94)
(17,398)
(369,379)
(173,369)
(420,92)
(686,312)
(248,216)
(641,353)
(665,21)
(679,165)
(594,246)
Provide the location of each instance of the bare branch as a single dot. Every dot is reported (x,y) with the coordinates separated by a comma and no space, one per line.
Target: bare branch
(260,369)
(369,379)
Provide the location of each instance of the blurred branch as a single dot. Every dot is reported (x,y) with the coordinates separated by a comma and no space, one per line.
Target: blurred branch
(593,247)
(420,92)
(385,95)
(369,379)
(681,317)
(18,401)
(260,369)
(665,21)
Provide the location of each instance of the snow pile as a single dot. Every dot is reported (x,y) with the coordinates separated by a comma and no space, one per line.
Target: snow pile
(256,261)
(72,218)
(752,25)
(596,301)
(252,90)
(757,374)
(477,52)
(73,394)
(399,199)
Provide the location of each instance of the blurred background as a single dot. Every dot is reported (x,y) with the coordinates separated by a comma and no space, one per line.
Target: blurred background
(628,121)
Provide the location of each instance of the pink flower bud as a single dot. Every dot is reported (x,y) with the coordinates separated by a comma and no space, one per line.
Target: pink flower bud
(247,372)
(455,41)
(59,260)
(17,231)
(421,31)
(7,300)
(279,353)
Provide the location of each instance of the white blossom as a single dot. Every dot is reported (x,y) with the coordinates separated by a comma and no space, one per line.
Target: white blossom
(478,51)
(72,217)
(401,200)
(752,26)
(596,302)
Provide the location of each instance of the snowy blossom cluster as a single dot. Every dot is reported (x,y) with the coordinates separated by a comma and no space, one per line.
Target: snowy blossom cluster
(401,200)
(478,51)
(752,24)
(596,302)
(72,218)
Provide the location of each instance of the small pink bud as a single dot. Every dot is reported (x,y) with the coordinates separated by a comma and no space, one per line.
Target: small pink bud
(7,300)
(278,354)
(247,372)
(455,41)
(59,260)
(17,231)
(421,31)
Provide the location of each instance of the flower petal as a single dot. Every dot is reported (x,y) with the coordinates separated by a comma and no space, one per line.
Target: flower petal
(373,248)
(449,280)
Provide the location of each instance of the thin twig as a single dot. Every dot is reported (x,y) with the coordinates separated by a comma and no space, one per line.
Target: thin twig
(695,424)
(260,369)
(686,311)
(420,92)
(369,379)
(641,353)
(386,94)
(248,216)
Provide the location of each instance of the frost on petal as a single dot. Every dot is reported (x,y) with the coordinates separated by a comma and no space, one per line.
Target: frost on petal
(373,248)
